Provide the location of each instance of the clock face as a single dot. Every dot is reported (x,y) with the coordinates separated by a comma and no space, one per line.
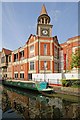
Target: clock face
(45,32)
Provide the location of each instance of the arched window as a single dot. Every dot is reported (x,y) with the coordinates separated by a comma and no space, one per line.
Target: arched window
(42,20)
(46,21)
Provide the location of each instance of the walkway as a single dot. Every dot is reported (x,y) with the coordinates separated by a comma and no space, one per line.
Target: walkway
(66,90)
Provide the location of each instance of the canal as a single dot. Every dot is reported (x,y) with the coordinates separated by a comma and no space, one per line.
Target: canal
(23,105)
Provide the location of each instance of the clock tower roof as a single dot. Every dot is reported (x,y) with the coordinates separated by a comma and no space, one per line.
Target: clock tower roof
(43,10)
(44,28)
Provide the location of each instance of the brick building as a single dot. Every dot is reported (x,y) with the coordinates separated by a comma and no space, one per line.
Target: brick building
(67,49)
(5,63)
(41,53)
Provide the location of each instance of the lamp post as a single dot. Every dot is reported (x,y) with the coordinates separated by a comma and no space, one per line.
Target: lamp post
(44,73)
(45,68)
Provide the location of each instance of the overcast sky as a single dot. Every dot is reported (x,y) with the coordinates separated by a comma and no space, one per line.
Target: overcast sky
(19,20)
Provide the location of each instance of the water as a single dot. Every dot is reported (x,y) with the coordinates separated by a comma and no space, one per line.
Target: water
(29,105)
(0,102)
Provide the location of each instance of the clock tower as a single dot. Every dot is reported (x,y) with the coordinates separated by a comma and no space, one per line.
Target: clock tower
(44,28)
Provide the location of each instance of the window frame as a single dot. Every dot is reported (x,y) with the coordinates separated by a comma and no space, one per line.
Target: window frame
(32,65)
(45,49)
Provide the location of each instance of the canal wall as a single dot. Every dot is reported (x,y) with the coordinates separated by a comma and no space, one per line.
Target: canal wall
(67,90)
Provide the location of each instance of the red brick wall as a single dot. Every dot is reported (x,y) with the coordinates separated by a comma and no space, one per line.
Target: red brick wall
(12,71)
(31,39)
(25,67)
(68,50)
(26,71)
(48,65)
(42,65)
(37,66)
(36,49)
(12,57)
(26,52)
(42,48)
(52,48)
(52,66)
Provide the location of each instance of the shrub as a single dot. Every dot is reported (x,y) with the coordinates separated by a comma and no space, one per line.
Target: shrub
(63,82)
(76,83)
(66,83)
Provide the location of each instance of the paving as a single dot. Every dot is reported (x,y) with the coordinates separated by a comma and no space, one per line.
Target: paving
(66,90)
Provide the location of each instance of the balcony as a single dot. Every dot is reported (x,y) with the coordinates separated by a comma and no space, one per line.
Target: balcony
(4,64)
(22,58)
(15,60)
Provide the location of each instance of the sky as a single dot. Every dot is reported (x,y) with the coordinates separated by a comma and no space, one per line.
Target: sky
(0,25)
(19,20)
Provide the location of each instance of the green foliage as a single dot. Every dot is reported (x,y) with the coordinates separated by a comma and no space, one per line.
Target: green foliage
(63,82)
(76,83)
(70,83)
(75,59)
(66,83)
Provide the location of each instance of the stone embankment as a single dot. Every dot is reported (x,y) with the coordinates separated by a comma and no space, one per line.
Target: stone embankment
(67,90)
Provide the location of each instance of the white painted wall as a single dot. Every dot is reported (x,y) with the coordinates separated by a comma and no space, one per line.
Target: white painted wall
(55,78)
(51,78)
(71,76)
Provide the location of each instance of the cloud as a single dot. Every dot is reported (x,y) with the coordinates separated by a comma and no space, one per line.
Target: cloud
(32,26)
(9,20)
(55,14)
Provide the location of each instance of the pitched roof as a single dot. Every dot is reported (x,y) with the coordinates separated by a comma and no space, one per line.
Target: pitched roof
(6,51)
(43,10)
(75,37)
(63,44)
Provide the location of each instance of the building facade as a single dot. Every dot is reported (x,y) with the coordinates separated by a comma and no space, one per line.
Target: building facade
(67,49)
(42,53)
(6,63)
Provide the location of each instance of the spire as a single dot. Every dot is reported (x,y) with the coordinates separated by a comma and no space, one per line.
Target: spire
(43,10)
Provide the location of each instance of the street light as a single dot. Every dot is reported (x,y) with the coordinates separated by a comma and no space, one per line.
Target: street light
(45,68)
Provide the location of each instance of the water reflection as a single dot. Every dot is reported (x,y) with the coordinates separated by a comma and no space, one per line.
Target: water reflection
(28,105)
(1,101)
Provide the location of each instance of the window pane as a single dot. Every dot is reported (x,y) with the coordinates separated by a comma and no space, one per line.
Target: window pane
(45,65)
(16,75)
(9,58)
(31,65)
(45,49)
(32,48)
(21,75)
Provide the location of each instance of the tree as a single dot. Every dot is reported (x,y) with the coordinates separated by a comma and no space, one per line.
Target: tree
(75,59)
